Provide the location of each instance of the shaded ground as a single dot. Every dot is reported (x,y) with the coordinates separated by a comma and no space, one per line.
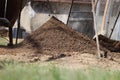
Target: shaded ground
(112,45)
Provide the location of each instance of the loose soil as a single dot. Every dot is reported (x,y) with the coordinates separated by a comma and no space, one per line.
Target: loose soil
(57,37)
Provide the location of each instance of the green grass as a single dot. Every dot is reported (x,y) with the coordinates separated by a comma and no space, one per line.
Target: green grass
(3,41)
(10,70)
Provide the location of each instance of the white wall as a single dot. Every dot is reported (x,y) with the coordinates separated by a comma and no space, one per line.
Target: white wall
(26,16)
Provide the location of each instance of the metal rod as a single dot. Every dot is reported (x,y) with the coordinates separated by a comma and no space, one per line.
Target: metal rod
(70,11)
(5,9)
(18,28)
(18,22)
(114,25)
(50,7)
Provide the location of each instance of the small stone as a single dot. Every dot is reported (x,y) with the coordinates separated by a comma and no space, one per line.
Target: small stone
(35,59)
(103,54)
(111,59)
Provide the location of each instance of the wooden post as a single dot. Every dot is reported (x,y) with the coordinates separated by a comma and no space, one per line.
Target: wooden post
(10,37)
(98,8)
(96,3)
(108,15)
(70,11)
(95,27)
(104,16)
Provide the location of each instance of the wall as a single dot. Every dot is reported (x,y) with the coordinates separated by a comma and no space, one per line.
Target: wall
(44,12)
(114,10)
(81,21)
(33,17)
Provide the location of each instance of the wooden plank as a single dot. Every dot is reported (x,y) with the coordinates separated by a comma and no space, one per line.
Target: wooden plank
(104,16)
(95,27)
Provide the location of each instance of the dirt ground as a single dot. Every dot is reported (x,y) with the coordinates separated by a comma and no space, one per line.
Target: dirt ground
(76,61)
(56,43)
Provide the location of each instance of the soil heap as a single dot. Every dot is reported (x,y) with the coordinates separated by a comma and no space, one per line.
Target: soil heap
(56,36)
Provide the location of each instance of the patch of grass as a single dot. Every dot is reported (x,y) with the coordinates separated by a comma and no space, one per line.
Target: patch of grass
(3,41)
(24,71)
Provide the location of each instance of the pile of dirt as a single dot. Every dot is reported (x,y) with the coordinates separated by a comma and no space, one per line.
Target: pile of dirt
(55,36)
